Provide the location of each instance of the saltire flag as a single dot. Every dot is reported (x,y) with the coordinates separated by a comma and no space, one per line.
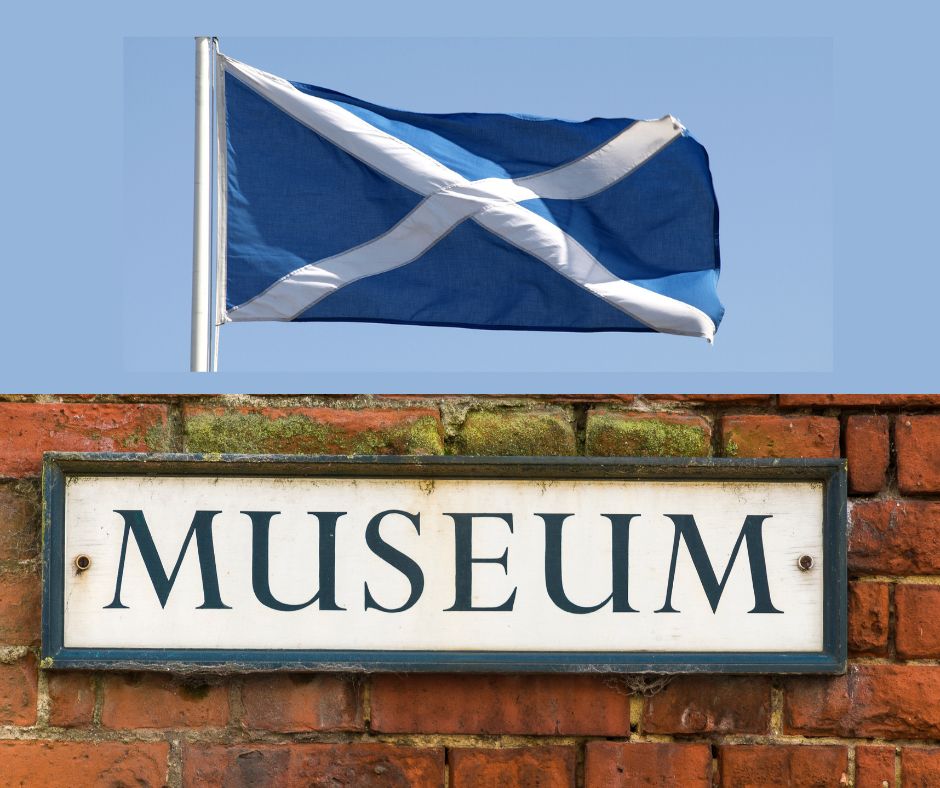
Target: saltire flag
(335,209)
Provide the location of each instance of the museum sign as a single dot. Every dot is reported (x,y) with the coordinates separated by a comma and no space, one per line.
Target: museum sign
(405,563)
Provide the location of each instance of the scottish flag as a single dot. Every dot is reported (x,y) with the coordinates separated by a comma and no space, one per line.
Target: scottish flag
(336,209)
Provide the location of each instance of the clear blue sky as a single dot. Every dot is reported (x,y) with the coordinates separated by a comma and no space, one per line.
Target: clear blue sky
(829,266)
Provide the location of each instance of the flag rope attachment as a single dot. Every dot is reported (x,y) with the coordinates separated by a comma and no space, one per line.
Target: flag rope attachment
(202,210)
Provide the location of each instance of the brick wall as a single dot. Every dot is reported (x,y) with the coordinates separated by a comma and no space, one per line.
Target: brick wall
(877,726)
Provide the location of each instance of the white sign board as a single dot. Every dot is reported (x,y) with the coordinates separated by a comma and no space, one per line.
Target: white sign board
(491,565)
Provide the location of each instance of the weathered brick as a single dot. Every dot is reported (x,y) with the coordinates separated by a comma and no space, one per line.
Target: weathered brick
(148,700)
(301,702)
(917,440)
(64,764)
(561,705)
(721,398)
(20,594)
(780,436)
(301,430)
(615,764)
(18,689)
(72,699)
(611,433)
(27,429)
(868,452)
(19,521)
(710,704)
(889,701)
(619,399)
(917,634)
(288,764)
(782,766)
(920,768)
(894,701)
(874,767)
(895,537)
(515,767)
(857,400)
(868,618)
(544,430)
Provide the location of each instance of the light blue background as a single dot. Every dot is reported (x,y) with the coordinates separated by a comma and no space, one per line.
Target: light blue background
(97,249)
(762,108)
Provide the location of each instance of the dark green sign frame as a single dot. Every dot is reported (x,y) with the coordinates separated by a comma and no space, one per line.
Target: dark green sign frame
(831,659)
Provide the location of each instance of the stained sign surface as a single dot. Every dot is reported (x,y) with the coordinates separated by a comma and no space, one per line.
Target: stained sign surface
(444,563)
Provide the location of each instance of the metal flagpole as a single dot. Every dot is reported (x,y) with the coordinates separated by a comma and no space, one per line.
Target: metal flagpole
(220,202)
(202,210)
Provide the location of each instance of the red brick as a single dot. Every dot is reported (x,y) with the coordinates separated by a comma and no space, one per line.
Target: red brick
(780,436)
(18,689)
(19,522)
(288,764)
(531,431)
(72,699)
(517,767)
(146,700)
(887,701)
(64,764)
(874,767)
(917,440)
(301,702)
(20,594)
(611,433)
(920,768)
(868,618)
(868,452)
(895,537)
(710,704)
(28,429)
(917,634)
(856,400)
(614,764)
(560,705)
(721,398)
(782,766)
(301,430)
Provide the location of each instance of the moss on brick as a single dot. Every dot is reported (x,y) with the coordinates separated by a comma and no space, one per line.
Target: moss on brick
(611,434)
(253,433)
(154,438)
(421,436)
(516,432)
(157,438)
(256,433)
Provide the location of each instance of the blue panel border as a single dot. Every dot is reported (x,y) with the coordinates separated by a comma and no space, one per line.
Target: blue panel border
(57,466)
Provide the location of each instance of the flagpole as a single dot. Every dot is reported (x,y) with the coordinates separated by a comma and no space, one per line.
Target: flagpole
(202,210)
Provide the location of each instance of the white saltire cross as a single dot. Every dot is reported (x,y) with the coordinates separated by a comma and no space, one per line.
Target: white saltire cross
(451,199)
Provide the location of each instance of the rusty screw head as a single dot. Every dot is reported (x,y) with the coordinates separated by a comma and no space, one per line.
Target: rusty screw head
(805,563)
(82,562)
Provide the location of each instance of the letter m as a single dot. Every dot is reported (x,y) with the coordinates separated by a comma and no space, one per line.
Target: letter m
(135,523)
(751,532)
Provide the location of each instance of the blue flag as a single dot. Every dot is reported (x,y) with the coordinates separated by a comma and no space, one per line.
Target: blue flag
(337,209)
